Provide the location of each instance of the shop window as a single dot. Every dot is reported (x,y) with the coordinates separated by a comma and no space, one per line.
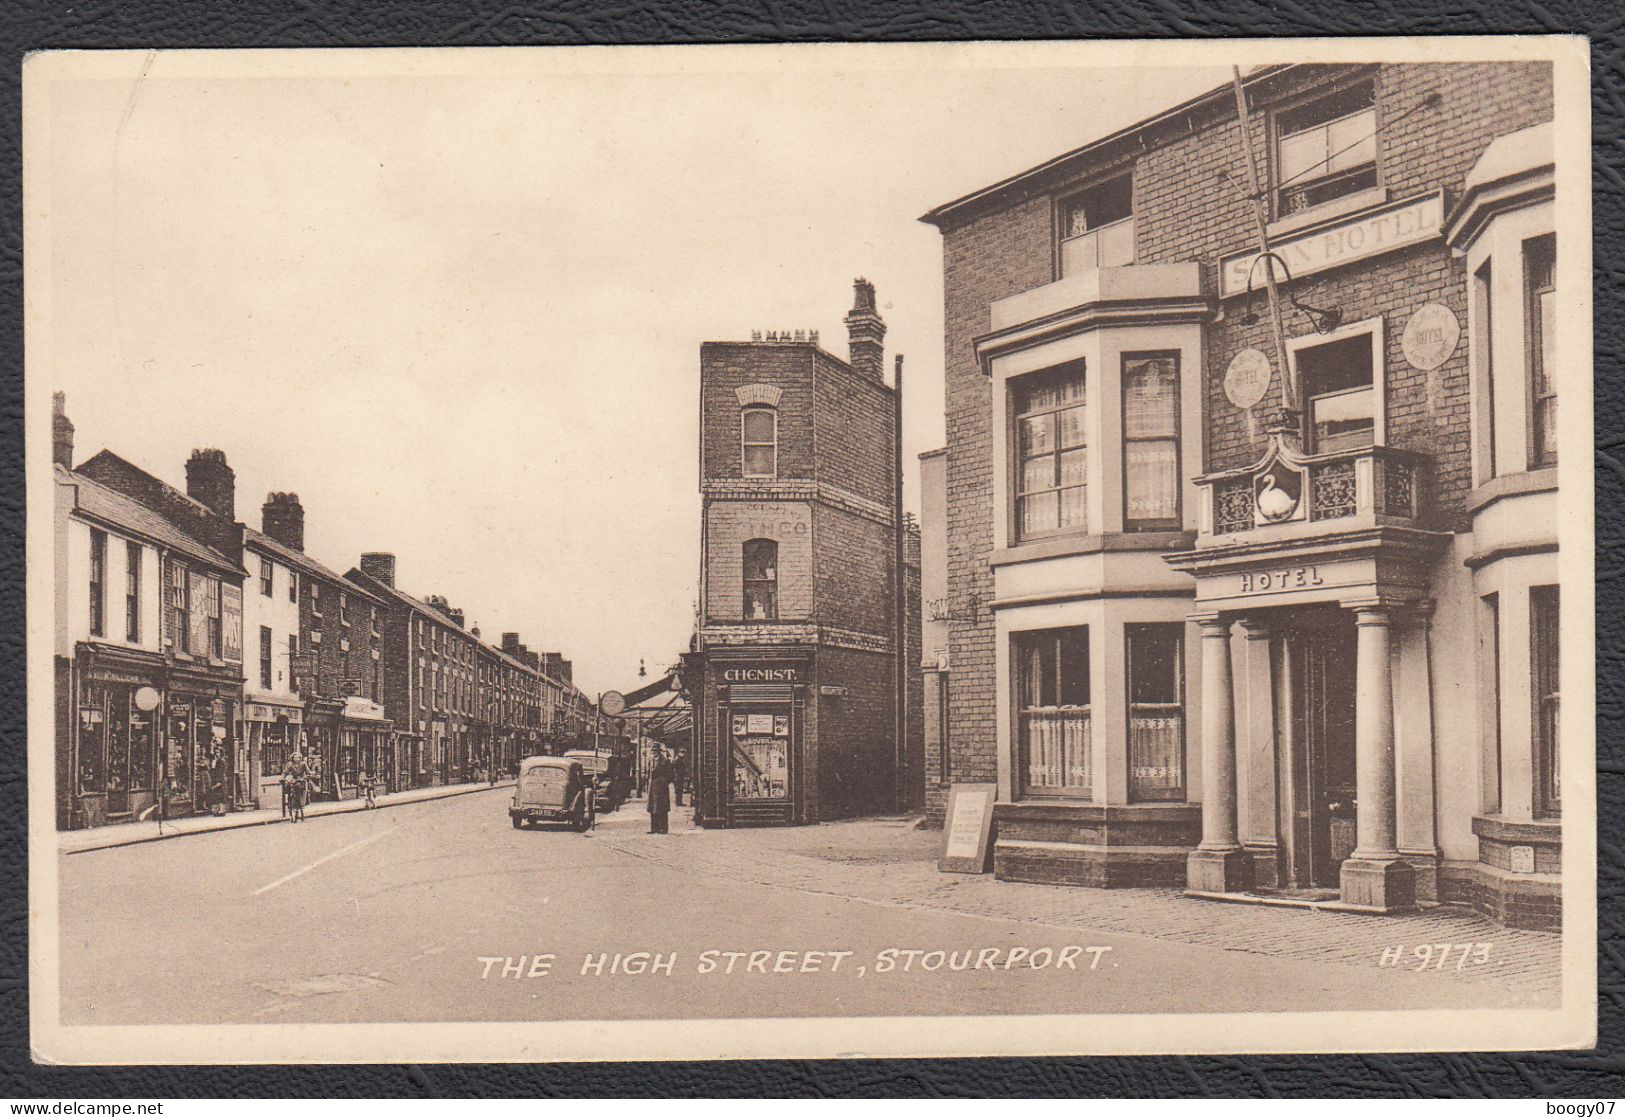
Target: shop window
(759,431)
(1540,317)
(1051,446)
(1151,442)
(98,582)
(142,747)
(1543,619)
(1156,713)
(1052,712)
(347,757)
(267,579)
(760,741)
(1097,227)
(265,658)
(1340,397)
(93,741)
(132,592)
(761,568)
(1326,149)
(275,747)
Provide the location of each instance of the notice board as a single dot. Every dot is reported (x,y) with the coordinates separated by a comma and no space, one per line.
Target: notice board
(967,829)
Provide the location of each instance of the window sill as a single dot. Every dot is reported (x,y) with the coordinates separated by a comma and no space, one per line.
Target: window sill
(1327,211)
(1059,546)
(1540,480)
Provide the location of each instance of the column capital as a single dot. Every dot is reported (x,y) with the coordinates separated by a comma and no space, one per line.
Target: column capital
(1374,610)
(1213,624)
(1254,628)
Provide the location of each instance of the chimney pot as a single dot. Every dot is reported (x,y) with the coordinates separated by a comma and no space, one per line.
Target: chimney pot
(282,518)
(380,566)
(211,482)
(61,431)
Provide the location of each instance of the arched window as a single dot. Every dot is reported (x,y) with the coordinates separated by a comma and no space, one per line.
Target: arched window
(760,439)
(761,580)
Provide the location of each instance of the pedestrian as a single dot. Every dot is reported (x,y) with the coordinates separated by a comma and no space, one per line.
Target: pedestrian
(368,788)
(679,774)
(659,803)
(295,778)
(216,779)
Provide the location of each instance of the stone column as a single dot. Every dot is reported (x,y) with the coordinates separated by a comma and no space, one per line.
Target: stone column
(1219,864)
(1374,877)
(1256,752)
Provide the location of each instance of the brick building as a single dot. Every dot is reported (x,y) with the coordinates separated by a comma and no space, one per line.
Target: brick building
(796,708)
(1221,627)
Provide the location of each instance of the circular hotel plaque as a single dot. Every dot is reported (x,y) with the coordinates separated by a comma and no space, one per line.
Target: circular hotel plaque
(1430,336)
(1247,378)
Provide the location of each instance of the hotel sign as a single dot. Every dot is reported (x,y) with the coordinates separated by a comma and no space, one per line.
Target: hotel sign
(1370,234)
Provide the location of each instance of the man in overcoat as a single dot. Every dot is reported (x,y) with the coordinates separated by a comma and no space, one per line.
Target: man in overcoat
(659,801)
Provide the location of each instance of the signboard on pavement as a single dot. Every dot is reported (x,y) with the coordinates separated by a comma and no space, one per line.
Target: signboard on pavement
(967,831)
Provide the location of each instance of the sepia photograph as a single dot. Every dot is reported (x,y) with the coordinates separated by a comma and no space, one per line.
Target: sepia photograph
(796,551)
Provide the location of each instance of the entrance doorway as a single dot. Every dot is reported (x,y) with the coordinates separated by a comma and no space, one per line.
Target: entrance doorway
(1318,797)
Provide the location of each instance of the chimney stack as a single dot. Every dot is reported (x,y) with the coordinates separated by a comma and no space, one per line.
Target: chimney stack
(510,643)
(211,482)
(380,566)
(865,331)
(61,431)
(282,517)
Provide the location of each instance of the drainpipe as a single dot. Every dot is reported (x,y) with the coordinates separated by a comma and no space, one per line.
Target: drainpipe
(900,767)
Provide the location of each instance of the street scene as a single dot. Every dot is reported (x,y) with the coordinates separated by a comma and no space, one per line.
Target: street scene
(516,590)
(438,910)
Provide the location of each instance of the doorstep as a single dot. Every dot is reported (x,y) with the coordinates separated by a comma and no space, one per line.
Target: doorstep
(1277,900)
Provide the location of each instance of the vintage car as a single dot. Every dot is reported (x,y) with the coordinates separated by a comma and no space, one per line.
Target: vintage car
(608,772)
(552,789)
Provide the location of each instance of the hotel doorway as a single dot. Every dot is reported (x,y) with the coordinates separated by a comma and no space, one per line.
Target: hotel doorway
(1318,803)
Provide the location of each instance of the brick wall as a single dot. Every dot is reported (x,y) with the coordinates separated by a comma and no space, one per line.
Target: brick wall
(728,525)
(852,564)
(853,419)
(856,756)
(726,366)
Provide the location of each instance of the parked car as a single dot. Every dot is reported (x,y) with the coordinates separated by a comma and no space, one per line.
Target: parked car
(609,773)
(553,789)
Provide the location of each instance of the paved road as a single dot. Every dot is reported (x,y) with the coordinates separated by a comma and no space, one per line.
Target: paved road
(425,912)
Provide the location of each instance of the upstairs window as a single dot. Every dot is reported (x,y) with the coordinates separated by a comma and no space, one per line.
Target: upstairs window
(180,600)
(1340,402)
(761,580)
(1097,227)
(293,585)
(1326,149)
(1051,472)
(132,592)
(266,581)
(98,582)
(1151,442)
(1540,314)
(759,429)
(265,658)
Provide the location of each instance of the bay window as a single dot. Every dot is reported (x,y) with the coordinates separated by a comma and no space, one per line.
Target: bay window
(1051,448)
(1151,442)
(1052,712)
(1540,312)
(1543,618)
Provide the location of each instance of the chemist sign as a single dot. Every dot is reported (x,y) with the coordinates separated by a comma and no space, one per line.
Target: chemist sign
(1369,234)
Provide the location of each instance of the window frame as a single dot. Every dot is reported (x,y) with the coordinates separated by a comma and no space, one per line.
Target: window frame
(1020,644)
(133,564)
(1376,330)
(1174,522)
(1013,387)
(746,582)
(1276,135)
(1482,284)
(97,582)
(746,443)
(1545,693)
(1063,208)
(180,603)
(1541,456)
(265,657)
(1138,794)
(267,577)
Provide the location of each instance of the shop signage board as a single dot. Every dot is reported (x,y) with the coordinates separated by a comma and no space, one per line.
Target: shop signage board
(967,832)
(1372,233)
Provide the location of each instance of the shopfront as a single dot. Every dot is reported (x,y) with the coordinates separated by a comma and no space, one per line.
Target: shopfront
(275,733)
(752,768)
(364,745)
(201,740)
(113,764)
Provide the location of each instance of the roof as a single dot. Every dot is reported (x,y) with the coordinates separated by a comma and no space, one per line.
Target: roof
(1514,153)
(260,541)
(946,212)
(113,508)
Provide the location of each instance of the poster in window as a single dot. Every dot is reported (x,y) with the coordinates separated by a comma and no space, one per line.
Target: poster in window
(781,725)
(759,723)
(739,725)
(231,608)
(761,768)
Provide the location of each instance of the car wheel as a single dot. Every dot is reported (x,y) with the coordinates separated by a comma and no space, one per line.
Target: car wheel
(518,823)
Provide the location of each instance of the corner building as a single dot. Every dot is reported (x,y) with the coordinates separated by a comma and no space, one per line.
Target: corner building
(796,655)
(1203,639)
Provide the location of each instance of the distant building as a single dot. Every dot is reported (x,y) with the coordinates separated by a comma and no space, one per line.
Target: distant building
(796,666)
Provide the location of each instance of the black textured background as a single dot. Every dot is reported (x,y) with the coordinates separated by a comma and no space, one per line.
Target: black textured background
(32,25)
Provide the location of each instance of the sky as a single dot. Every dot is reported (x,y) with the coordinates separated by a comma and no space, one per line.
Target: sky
(455,300)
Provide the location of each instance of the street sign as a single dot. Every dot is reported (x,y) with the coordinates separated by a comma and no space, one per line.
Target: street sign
(612,703)
(967,829)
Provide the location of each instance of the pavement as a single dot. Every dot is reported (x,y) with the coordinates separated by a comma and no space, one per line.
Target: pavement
(135,833)
(440,911)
